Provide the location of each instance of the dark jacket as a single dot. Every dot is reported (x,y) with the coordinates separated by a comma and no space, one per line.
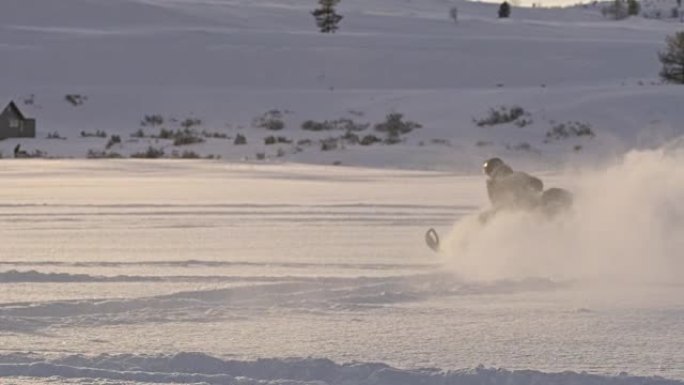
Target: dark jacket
(508,189)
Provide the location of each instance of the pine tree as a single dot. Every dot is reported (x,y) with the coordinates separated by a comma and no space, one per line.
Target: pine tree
(504,10)
(633,7)
(673,59)
(326,17)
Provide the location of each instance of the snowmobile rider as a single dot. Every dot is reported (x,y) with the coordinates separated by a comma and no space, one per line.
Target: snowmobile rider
(511,190)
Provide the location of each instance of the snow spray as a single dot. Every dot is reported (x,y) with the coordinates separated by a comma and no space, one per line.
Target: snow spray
(627,224)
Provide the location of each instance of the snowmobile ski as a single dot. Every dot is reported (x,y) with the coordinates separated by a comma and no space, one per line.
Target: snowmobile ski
(432,240)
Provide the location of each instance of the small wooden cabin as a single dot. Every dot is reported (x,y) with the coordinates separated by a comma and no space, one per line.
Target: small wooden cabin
(13,123)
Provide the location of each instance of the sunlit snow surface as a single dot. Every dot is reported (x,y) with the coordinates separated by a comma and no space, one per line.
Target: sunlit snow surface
(113,272)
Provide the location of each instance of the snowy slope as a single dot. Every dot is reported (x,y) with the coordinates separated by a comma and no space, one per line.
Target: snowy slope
(228,62)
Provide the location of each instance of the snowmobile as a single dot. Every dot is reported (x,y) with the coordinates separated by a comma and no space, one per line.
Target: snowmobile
(551,203)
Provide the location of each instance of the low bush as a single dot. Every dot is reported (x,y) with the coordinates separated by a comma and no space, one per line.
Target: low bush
(55,135)
(270,120)
(96,134)
(269,140)
(150,153)
(138,134)
(186,137)
(503,115)
(94,154)
(568,130)
(152,120)
(114,139)
(75,99)
(240,140)
(329,144)
(369,140)
(188,123)
(215,135)
(394,126)
(344,124)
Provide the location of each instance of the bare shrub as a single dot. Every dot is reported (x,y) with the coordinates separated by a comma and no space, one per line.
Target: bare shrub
(152,120)
(270,120)
(569,129)
(75,99)
(96,134)
(95,154)
(394,126)
(503,115)
(150,153)
(114,139)
(240,140)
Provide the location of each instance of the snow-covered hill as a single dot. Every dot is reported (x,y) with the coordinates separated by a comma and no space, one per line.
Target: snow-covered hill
(229,62)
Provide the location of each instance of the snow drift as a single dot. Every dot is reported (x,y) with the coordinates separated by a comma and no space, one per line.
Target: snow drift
(197,367)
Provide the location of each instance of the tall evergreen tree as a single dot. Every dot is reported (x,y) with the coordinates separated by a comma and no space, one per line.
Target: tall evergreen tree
(633,7)
(326,17)
(673,59)
(504,10)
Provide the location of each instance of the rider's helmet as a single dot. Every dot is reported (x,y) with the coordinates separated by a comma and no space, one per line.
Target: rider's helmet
(491,165)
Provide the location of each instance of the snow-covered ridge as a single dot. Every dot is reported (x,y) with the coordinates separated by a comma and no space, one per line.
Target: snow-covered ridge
(226,63)
(198,367)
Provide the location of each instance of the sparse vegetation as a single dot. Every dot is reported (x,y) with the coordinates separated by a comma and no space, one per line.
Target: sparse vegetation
(350,137)
(215,135)
(95,154)
(269,140)
(633,7)
(616,10)
(523,146)
(150,153)
(75,99)
(394,126)
(138,134)
(326,17)
(186,137)
(329,144)
(189,155)
(152,120)
(369,140)
(19,153)
(672,59)
(270,120)
(504,10)
(345,124)
(240,140)
(188,123)
(453,14)
(311,125)
(54,135)
(182,137)
(114,139)
(568,130)
(503,115)
(96,134)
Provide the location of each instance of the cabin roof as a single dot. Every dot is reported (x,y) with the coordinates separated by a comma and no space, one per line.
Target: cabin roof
(13,106)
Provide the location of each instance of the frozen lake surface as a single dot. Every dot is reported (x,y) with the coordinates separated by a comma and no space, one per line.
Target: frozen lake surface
(113,265)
